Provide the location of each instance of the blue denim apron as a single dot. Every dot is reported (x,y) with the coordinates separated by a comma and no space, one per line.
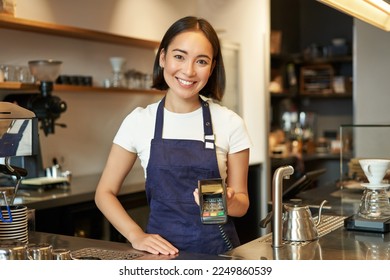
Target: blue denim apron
(173,171)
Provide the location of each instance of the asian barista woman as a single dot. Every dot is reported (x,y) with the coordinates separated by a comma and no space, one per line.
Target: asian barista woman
(181,139)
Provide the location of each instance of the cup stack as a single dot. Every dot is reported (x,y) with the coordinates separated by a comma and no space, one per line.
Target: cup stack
(14,226)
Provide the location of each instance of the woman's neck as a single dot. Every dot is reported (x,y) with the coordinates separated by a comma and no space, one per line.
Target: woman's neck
(180,105)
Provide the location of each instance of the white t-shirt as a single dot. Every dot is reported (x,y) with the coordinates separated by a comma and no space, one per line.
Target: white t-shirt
(137,131)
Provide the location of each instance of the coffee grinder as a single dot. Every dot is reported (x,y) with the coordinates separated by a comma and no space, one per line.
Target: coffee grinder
(374,208)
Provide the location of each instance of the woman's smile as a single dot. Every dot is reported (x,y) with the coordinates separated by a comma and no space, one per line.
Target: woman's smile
(185,83)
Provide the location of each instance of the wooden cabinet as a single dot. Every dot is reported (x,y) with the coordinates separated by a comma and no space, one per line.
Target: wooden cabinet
(308,32)
(324,103)
(299,76)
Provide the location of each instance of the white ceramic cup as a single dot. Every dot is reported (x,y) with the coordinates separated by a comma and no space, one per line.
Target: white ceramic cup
(375,169)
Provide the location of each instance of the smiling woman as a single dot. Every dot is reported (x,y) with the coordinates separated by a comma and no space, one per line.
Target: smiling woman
(180,140)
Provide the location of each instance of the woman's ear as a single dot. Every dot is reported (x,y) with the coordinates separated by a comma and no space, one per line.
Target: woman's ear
(162,58)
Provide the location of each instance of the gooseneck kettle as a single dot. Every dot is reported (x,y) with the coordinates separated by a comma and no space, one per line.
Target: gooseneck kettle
(298,223)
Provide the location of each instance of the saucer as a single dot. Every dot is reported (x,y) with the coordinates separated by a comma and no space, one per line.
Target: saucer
(375,186)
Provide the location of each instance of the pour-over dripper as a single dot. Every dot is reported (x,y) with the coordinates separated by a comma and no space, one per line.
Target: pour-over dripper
(375,169)
(117,64)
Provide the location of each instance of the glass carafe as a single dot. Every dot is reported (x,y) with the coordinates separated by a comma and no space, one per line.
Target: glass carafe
(374,204)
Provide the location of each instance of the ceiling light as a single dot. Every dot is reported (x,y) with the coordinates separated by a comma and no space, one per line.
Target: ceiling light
(375,12)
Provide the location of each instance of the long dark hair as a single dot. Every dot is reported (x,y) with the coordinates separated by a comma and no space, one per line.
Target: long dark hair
(215,86)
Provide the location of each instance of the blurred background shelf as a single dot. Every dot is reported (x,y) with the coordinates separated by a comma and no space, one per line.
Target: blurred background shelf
(15,87)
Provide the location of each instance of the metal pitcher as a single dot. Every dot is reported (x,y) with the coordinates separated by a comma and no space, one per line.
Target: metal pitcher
(4,191)
(298,223)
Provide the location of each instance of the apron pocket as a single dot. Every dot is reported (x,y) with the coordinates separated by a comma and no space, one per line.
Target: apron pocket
(178,182)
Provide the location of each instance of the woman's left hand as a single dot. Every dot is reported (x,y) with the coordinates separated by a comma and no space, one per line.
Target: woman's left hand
(196,195)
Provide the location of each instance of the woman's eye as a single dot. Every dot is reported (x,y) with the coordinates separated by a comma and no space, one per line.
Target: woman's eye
(178,56)
(203,62)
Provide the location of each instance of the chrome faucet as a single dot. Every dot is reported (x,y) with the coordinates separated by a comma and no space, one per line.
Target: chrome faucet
(281,173)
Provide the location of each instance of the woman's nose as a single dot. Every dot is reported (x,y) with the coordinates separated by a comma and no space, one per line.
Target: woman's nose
(189,69)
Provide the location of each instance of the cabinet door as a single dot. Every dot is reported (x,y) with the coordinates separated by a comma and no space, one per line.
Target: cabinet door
(231,99)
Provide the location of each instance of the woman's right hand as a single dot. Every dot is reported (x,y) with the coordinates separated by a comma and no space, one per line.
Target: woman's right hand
(153,243)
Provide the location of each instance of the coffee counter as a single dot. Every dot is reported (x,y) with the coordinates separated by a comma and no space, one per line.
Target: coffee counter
(57,199)
(111,250)
(339,244)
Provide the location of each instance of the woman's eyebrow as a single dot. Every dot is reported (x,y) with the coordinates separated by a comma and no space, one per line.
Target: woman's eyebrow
(185,52)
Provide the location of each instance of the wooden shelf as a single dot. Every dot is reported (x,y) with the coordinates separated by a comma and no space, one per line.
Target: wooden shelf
(10,22)
(283,95)
(72,88)
(300,60)
(13,23)
(320,95)
(15,87)
(314,95)
(331,60)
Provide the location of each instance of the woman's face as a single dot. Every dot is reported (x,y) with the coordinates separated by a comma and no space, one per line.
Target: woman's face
(187,63)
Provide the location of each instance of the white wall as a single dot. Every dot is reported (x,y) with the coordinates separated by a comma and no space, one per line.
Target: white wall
(372,68)
(371,89)
(93,118)
(247,23)
(147,19)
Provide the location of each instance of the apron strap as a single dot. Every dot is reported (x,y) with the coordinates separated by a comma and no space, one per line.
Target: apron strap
(207,124)
(159,120)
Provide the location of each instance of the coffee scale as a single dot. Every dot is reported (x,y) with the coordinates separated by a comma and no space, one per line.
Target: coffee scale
(374,208)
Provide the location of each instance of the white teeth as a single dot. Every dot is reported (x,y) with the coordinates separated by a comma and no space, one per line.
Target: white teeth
(187,83)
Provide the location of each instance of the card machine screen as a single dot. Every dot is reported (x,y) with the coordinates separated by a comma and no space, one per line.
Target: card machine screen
(212,201)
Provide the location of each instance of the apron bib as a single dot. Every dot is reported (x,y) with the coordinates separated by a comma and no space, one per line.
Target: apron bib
(173,171)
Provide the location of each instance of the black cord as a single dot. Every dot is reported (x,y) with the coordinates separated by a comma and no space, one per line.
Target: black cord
(225,238)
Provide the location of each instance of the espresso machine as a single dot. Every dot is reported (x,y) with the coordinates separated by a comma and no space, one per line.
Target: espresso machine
(18,138)
(46,107)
